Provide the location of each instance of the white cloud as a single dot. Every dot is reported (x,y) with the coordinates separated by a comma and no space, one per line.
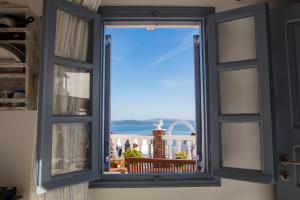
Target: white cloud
(172,53)
(117,59)
(186,43)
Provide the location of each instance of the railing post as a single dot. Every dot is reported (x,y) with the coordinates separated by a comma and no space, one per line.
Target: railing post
(135,144)
(113,147)
(131,141)
(170,145)
(149,148)
(195,150)
(189,149)
(144,146)
(118,144)
(123,141)
(140,143)
(178,145)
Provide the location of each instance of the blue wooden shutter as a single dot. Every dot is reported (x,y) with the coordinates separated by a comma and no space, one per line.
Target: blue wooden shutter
(230,126)
(71,120)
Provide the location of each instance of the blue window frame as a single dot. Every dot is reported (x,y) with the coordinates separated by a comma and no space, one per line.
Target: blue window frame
(207,69)
(163,16)
(51,119)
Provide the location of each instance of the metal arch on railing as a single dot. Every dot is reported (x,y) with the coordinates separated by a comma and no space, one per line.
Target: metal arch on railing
(183,122)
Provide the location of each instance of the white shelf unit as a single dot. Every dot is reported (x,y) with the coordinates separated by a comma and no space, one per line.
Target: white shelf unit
(20,75)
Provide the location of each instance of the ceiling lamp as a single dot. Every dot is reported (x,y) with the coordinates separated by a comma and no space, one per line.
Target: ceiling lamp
(151,28)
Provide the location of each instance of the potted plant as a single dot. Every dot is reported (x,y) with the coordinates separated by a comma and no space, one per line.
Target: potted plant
(132,153)
(181,155)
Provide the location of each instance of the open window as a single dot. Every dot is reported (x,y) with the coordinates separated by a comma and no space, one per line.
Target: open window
(165,93)
(231,98)
(154,72)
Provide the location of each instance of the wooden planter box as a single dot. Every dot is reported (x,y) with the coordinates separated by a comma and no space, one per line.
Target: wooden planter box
(159,165)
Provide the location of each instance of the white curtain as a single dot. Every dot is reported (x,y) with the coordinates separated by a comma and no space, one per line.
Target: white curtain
(70,142)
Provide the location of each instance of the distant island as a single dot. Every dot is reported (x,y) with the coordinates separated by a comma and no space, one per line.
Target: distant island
(141,122)
(124,122)
(145,127)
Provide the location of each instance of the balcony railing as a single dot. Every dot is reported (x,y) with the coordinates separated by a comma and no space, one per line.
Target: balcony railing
(174,144)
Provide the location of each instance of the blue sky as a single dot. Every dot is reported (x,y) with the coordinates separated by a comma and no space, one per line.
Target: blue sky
(152,73)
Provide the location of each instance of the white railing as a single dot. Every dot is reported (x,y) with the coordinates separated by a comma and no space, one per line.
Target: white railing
(174,144)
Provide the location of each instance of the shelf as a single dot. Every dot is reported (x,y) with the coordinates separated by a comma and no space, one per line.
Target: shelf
(12,108)
(23,41)
(14,65)
(13,10)
(12,75)
(12,100)
(13,30)
(13,41)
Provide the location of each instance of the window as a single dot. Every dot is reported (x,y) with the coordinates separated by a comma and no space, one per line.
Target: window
(153,72)
(152,80)
(87,90)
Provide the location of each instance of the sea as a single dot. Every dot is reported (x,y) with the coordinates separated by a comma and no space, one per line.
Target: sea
(145,127)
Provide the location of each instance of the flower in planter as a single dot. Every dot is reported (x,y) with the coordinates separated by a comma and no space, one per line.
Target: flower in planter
(181,155)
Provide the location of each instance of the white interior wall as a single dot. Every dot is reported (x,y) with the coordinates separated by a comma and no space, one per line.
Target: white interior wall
(17,133)
(18,130)
(35,5)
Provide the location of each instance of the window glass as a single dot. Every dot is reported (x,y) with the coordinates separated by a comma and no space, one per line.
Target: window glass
(153,109)
(71,91)
(241,146)
(72,37)
(239,91)
(233,35)
(70,148)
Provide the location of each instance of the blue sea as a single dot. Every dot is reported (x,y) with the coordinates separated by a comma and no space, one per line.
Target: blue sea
(145,128)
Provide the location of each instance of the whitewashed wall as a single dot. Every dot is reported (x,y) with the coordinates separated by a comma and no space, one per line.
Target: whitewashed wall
(17,133)
(18,129)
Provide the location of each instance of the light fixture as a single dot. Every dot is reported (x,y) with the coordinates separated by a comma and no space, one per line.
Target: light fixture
(151,28)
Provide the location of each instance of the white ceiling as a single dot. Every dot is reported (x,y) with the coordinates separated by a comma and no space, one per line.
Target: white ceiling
(219,4)
(36,5)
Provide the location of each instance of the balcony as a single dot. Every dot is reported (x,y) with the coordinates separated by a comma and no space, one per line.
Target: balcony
(143,143)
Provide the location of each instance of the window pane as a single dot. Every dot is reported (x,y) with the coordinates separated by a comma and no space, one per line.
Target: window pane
(71,91)
(72,37)
(239,91)
(153,82)
(237,40)
(241,145)
(70,148)
(92,5)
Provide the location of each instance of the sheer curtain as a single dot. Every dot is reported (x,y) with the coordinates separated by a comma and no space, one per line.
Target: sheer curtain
(70,141)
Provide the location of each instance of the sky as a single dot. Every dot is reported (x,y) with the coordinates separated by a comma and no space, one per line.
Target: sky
(152,73)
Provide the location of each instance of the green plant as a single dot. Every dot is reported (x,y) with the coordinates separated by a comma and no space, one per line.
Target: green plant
(114,164)
(132,153)
(181,155)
